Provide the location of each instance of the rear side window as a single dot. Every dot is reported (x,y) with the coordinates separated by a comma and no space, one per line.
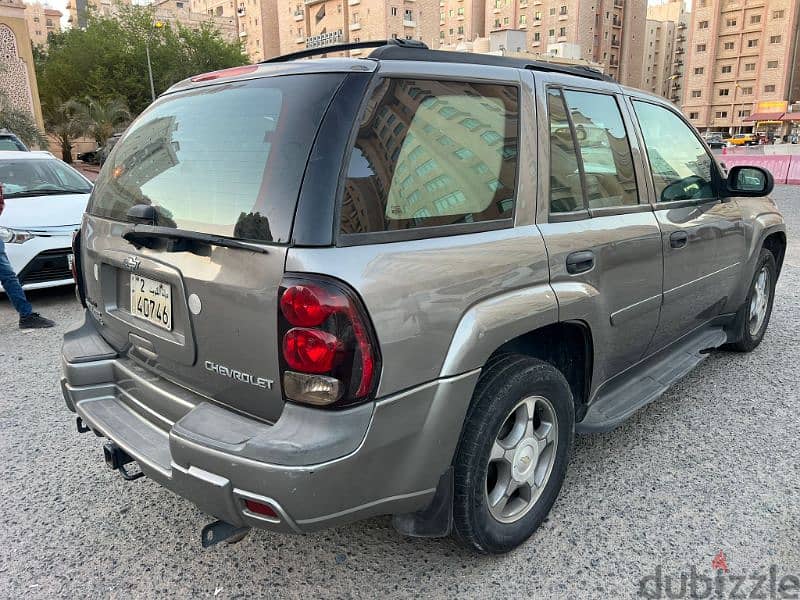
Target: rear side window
(591,165)
(225,159)
(432,153)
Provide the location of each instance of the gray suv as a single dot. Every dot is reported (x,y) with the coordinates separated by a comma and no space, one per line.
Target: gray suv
(322,290)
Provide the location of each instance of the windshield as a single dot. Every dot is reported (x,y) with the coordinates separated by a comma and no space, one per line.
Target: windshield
(40,177)
(226,159)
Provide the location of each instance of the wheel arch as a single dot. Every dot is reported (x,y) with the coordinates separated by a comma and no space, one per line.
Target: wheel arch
(775,242)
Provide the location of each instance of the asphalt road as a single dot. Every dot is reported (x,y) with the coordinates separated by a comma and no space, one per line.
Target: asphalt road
(714,465)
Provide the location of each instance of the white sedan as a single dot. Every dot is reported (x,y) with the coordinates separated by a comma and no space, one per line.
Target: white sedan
(44,202)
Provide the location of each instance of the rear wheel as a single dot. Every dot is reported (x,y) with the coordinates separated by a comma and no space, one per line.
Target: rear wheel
(754,315)
(513,453)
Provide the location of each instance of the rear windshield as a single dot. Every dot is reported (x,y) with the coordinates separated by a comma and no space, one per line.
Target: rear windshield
(225,159)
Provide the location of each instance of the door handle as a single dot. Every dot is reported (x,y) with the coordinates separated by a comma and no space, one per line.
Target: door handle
(580,262)
(678,239)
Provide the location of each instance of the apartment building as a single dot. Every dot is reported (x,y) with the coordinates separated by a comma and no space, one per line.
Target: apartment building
(42,20)
(179,12)
(743,65)
(256,22)
(665,50)
(318,23)
(610,32)
(461,22)
(78,9)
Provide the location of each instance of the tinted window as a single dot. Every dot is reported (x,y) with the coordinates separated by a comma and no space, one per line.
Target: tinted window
(453,161)
(604,149)
(226,159)
(680,164)
(566,193)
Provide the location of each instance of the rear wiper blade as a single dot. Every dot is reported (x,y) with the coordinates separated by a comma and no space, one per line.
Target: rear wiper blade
(177,240)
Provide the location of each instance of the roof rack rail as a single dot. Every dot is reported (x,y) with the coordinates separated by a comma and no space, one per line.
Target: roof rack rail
(400,43)
(389,52)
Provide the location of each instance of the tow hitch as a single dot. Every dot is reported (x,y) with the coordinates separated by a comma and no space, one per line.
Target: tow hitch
(220,531)
(117,458)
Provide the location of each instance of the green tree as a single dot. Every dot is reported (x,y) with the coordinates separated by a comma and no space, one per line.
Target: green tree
(67,122)
(107,59)
(100,119)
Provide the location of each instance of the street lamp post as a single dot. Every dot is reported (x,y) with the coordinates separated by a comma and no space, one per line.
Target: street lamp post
(157,25)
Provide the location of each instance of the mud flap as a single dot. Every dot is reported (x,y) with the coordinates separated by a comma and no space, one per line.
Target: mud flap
(436,520)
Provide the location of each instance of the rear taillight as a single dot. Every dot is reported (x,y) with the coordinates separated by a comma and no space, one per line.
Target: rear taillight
(76,268)
(329,355)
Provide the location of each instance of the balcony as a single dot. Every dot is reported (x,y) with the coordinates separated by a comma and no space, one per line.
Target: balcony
(411,22)
(298,15)
(353,2)
(242,34)
(681,25)
(680,51)
(616,22)
(618,3)
(355,26)
(680,39)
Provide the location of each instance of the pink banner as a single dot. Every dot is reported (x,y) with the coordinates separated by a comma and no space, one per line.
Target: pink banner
(777,165)
(793,176)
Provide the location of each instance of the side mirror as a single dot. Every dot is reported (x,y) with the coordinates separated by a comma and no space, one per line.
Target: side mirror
(749,181)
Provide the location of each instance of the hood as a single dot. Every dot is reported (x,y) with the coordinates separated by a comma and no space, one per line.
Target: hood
(36,212)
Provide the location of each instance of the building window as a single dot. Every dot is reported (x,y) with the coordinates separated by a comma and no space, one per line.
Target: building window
(552,10)
(460,11)
(699,70)
(755,19)
(694,116)
(537,16)
(727,69)
(408,15)
(731,23)
(551,32)
(724,92)
(702,25)
(394,11)
(778,14)
(505,20)
(769,88)
(750,66)
(563,10)
(729,45)
(562,32)
(774,39)
(460,30)
(537,37)
(752,43)
(744,113)
(523,19)
(497,23)
(747,91)
(721,114)
(701,47)
(696,93)
(772,64)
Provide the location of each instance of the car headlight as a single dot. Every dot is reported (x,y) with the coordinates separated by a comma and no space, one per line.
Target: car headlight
(14,236)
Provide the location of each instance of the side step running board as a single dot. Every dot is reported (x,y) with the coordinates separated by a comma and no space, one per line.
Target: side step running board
(642,384)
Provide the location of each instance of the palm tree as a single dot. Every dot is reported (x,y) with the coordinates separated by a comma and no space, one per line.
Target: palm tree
(102,118)
(67,122)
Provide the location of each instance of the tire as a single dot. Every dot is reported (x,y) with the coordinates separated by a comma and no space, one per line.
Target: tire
(751,333)
(510,388)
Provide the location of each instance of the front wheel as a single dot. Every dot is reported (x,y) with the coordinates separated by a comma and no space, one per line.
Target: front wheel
(513,453)
(754,315)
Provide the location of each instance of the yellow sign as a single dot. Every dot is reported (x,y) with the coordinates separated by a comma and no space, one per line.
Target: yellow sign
(772,106)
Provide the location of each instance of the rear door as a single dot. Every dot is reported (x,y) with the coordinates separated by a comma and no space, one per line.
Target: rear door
(702,237)
(224,164)
(603,242)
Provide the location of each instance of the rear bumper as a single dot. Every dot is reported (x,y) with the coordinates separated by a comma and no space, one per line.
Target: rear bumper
(316,468)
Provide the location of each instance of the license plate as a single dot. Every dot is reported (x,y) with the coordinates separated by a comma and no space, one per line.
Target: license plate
(151,300)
